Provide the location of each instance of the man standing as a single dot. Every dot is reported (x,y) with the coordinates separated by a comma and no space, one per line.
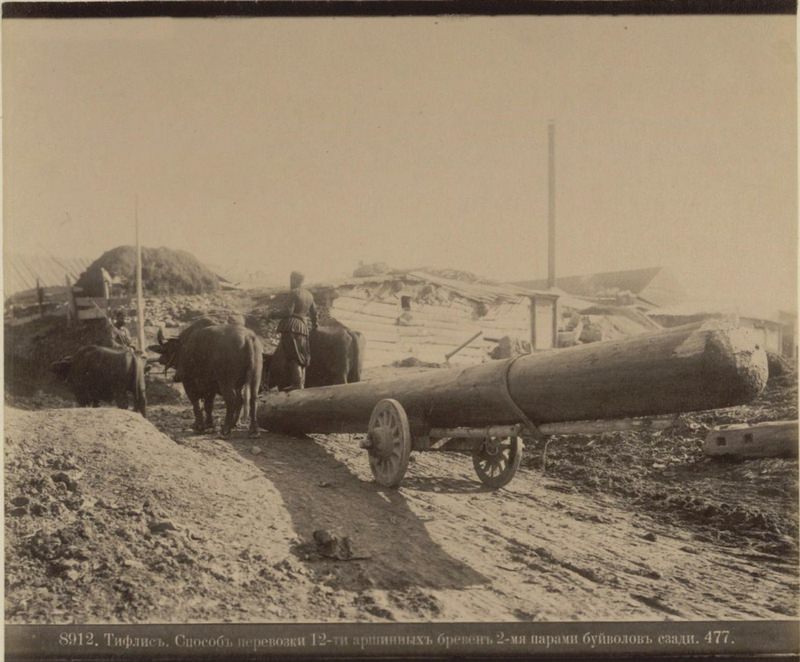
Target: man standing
(119,333)
(294,329)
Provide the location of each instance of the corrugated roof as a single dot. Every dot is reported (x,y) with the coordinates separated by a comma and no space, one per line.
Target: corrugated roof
(21,271)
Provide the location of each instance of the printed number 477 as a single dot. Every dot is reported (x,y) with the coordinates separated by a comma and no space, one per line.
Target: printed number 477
(717,636)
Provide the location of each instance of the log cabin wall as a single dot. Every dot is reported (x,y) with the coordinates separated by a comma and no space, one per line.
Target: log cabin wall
(403,320)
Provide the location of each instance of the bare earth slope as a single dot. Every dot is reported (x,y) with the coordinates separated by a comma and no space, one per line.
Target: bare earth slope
(109,519)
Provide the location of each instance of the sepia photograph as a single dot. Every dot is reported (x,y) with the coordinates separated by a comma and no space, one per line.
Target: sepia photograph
(371,334)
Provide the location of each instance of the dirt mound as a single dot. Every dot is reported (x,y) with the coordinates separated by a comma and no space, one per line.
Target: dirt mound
(177,310)
(111,520)
(108,519)
(164,271)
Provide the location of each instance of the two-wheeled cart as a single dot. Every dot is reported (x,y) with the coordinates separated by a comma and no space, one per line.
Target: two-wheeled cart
(485,409)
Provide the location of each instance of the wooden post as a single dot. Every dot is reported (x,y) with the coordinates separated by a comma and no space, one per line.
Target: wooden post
(450,355)
(106,289)
(40,297)
(70,300)
(551,205)
(532,300)
(139,295)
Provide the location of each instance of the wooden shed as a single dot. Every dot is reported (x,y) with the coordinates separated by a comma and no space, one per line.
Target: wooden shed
(422,316)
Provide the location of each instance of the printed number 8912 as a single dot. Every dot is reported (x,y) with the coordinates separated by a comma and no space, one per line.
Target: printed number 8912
(76,639)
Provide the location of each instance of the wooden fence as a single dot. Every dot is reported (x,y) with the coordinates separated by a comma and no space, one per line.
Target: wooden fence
(87,308)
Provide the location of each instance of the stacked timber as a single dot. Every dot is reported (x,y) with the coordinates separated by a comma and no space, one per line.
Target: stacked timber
(688,368)
(429,331)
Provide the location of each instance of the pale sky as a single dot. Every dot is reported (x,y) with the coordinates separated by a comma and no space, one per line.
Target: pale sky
(420,141)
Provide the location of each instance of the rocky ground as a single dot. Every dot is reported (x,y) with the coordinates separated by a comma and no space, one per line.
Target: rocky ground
(113,518)
(742,502)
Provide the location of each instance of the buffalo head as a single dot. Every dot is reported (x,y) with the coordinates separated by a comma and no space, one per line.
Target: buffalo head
(167,349)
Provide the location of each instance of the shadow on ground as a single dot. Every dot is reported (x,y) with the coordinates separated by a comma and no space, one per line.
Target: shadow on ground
(321,492)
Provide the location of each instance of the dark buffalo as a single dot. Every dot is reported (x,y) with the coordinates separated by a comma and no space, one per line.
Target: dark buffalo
(222,359)
(337,357)
(169,348)
(100,374)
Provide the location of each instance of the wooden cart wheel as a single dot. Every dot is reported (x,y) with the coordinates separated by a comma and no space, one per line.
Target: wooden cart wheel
(497,460)
(390,442)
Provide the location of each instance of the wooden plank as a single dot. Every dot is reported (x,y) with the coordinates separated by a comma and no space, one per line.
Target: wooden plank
(376,336)
(441,326)
(499,332)
(350,317)
(100,302)
(441,313)
(377,341)
(377,308)
(366,327)
(770,439)
(601,427)
(367,323)
(91,314)
(445,344)
(434,314)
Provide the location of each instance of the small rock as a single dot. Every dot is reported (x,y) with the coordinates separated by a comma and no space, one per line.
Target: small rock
(64,564)
(61,477)
(133,563)
(650,536)
(333,546)
(74,504)
(20,501)
(162,526)
(18,512)
(38,509)
(325,483)
(255,450)
(122,533)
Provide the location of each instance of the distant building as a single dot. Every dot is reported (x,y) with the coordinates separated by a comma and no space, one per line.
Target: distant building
(647,288)
(408,315)
(615,304)
(774,332)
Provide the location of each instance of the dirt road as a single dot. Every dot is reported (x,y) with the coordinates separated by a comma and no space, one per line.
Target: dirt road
(178,527)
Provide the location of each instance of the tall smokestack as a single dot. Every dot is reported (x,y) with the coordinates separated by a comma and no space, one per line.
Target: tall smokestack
(551,205)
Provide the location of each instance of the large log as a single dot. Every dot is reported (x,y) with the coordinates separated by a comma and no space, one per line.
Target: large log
(687,368)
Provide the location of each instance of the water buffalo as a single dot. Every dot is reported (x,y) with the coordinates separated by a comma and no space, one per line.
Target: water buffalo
(100,374)
(222,359)
(169,350)
(337,357)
